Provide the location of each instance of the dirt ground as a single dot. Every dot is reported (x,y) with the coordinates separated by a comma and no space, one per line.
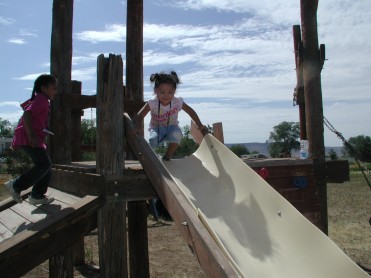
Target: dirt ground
(349,211)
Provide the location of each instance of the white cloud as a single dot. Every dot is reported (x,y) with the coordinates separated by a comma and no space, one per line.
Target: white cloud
(31,76)
(6,21)
(112,33)
(84,74)
(9,103)
(17,41)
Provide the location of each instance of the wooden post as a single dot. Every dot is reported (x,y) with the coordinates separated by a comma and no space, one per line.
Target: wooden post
(60,67)
(218,131)
(134,50)
(299,90)
(313,100)
(76,114)
(61,265)
(110,162)
(137,211)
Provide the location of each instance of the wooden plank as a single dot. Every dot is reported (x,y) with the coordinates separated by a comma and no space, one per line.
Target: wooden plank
(82,167)
(30,212)
(209,255)
(337,171)
(13,221)
(84,101)
(288,171)
(8,202)
(289,182)
(4,233)
(77,183)
(79,101)
(48,237)
(129,188)
(274,162)
(55,207)
(64,197)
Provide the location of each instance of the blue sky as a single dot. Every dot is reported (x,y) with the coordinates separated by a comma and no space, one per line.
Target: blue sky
(235,58)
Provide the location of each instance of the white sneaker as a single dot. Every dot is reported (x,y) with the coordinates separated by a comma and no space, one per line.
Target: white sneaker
(16,196)
(42,201)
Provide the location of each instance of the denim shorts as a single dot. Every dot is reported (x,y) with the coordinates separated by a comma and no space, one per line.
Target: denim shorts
(169,134)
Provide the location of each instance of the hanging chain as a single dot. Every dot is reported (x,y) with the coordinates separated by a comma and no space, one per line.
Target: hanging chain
(353,152)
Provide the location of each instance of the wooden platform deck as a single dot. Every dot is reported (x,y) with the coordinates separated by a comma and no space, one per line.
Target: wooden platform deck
(20,217)
(31,234)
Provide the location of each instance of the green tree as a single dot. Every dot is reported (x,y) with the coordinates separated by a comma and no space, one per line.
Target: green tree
(332,154)
(359,147)
(187,145)
(284,138)
(88,132)
(17,161)
(6,128)
(239,149)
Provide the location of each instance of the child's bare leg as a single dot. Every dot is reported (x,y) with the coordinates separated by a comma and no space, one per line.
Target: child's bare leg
(171,149)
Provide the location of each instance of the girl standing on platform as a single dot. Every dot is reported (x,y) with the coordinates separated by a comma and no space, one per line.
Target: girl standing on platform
(29,136)
(164,108)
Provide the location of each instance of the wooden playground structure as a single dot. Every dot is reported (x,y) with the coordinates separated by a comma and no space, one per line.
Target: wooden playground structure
(111,194)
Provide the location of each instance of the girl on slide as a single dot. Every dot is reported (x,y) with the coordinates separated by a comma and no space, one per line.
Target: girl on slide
(164,108)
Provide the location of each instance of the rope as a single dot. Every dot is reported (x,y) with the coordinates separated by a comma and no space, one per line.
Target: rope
(351,149)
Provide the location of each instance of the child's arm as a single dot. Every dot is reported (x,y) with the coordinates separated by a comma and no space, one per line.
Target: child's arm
(195,118)
(138,118)
(28,126)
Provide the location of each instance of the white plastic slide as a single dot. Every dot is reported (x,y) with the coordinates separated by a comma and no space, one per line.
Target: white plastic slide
(260,232)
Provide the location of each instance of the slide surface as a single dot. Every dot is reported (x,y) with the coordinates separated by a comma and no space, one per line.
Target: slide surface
(260,232)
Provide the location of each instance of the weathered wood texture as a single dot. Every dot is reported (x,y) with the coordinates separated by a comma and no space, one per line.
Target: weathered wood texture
(110,162)
(82,102)
(218,131)
(209,255)
(46,236)
(60,67)
(312,67)
(299,89)
(76,125)
(110,133)
(296,180)
(77,183)
(134,51)
(337,171)
(137,212)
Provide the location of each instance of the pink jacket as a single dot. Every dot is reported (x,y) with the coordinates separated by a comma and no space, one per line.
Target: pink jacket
(39,107)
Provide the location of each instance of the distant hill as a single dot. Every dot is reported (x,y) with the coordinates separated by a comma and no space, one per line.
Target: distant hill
(263,148)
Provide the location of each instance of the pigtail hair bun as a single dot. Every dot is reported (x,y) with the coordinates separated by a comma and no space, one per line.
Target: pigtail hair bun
(162,77)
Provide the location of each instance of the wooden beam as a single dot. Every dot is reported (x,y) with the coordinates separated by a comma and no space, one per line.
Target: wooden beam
(128,188)
(79,101)
(60,67)
(48,237)
(77,183)
(83,101)
(299,89)
(209,255)
(313,101)
(110,162)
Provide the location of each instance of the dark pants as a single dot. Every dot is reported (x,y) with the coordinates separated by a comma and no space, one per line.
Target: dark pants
(39,176)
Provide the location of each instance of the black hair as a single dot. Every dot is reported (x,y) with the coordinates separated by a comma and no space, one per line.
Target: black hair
(162,77)
(42,80)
